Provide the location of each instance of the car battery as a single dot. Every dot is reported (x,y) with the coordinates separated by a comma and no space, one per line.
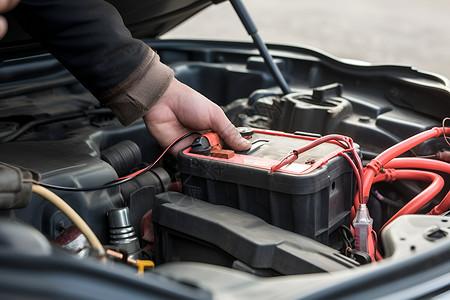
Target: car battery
(311,203)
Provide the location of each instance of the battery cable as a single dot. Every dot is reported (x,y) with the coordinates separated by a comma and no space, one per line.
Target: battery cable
(117,181)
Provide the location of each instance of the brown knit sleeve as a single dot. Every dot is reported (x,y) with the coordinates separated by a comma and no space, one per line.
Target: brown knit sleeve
(131,99)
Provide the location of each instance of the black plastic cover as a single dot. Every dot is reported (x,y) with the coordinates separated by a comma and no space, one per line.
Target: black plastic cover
(194,230)
(22,239)
(60,276)
(312,204)
(14,193)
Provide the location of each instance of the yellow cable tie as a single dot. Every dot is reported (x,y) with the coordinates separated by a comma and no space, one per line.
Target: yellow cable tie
(142,264)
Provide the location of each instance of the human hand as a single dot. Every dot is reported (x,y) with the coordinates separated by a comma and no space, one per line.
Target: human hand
(181,110)
(5,6)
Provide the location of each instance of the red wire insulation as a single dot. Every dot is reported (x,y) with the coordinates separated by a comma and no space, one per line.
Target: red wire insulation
(387,159)
(390,154)
(358,178)
(429,164)
(294,155)
(290,158)
(419,163)
(378,256)
(158,159)
(444,133)
(442,207)
(444,156)
(343,141)
(437,183)
(374,167)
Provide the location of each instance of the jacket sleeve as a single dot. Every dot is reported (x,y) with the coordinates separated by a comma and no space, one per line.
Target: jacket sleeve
(89,38)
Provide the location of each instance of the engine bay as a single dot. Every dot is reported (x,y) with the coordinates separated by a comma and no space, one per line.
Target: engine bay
(271,211)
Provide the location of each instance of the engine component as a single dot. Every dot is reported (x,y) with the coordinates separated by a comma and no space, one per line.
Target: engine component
(189,229)
(72,239)
(122,233)
(363,228)
(140,264)
(14,193)
(412,234)
(443,155)
(320,111)
(123,156)
(23,239)
(73,216)
(157,178)
(311,203)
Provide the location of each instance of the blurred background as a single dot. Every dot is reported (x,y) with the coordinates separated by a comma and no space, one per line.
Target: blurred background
(408,32)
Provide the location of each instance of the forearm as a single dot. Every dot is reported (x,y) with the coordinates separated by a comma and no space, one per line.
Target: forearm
(89,38)
(132,98)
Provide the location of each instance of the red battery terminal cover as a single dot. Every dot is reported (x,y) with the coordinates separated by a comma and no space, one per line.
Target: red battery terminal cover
(222,153)
(213,139)
(204,144)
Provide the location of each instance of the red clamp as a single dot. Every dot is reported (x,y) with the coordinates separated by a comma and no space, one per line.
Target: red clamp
(213,139)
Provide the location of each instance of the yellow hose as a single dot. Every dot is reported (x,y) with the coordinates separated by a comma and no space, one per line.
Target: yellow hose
(72,215)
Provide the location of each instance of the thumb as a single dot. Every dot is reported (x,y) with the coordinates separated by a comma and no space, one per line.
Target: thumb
(223,127)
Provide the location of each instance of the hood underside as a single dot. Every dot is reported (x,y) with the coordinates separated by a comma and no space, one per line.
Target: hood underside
(144,19)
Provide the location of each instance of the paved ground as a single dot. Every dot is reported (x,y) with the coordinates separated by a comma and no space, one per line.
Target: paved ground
(409,32)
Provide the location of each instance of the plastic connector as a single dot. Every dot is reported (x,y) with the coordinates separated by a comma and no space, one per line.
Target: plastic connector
(363,229)
(444,156)
(205,143)
(14,192)
(121,232)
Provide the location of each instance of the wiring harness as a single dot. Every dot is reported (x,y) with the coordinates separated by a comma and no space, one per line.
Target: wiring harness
(117,181)
(40,189)
(386,167)
(73,216)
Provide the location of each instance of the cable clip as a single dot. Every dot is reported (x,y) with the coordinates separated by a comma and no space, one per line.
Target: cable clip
(290,158)
(375,165)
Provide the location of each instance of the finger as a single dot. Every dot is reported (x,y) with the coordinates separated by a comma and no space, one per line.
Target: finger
(7,5)
(182,144)
(3,27)
(166,132)
(223,127)
(166,135)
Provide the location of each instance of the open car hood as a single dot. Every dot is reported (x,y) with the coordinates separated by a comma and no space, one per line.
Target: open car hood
(145,19)
(273,222)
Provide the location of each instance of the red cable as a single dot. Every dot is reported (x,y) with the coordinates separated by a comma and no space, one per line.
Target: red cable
(441,207)
(358,177)
(156,161)
(443,126)
(290,158)
(381,161)
(378,256)
(437,183)
(430,164)
(294,155)
(374,167)
(419,163)
(345,142)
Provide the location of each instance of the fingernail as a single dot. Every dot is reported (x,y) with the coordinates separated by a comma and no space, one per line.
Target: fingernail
(247,143)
